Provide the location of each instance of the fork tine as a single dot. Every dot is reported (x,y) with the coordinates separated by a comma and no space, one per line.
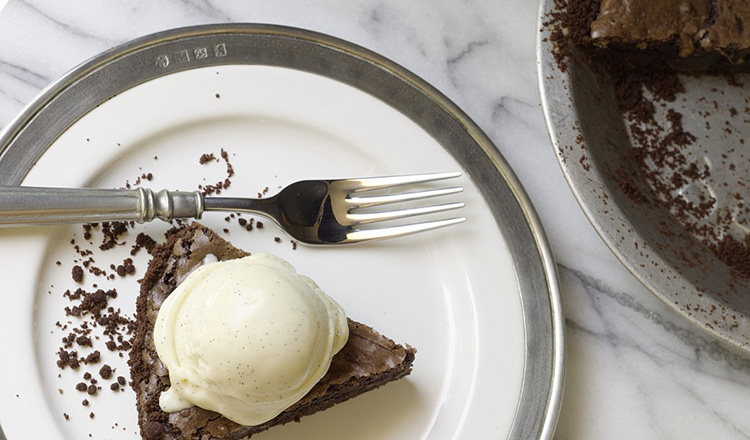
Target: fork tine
(369,183)
(363,202)
(368,217)
(398,231)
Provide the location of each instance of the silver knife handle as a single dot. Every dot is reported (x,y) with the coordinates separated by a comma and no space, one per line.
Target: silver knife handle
(32,205)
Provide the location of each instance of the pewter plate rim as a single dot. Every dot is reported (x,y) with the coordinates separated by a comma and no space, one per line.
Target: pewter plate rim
(57,107)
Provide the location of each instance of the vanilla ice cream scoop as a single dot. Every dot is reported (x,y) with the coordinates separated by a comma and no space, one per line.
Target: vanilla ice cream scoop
(246,338)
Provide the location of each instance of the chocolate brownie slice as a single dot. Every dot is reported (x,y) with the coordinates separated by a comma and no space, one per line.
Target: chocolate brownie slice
(367,361)
(689,35)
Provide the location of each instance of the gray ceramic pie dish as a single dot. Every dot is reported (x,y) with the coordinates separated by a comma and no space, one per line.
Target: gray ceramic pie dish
(593,143)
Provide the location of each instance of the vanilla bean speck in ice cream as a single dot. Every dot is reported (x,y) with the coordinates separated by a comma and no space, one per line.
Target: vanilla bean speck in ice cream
(246,338)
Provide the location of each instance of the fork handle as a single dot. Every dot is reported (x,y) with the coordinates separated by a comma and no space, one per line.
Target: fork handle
(33,205)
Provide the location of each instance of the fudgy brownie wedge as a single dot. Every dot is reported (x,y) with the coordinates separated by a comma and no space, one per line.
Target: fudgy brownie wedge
(367,361)
(686,35)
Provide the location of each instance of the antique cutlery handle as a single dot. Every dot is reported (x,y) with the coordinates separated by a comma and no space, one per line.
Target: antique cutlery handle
(31,205)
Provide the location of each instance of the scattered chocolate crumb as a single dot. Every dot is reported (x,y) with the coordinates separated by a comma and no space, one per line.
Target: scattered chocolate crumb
(67,417)
(92,358)
(91,415)
(206,157)
(121,380)
(84,341)
(85,402)
(91,390)
(77,273)
(143,241)
(67,359)
(247,224)
(126,268)
(112,232)
(81,386)
(105,372)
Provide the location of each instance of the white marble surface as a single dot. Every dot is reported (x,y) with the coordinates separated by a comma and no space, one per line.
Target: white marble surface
(635,369)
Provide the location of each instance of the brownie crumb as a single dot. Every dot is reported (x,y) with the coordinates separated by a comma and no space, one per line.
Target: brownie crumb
(112,232)
(735,254)
(92,358)
(121,380)
(67,359)
(67,417)
(143,241)
(247,224)
(81,386)
(91,390)
(221,185)
(77,273)
(85,402)
(126,268)
(105,372)
(206,157)
(84,341)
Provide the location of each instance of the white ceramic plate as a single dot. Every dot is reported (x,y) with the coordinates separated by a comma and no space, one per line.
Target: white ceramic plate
(454,293)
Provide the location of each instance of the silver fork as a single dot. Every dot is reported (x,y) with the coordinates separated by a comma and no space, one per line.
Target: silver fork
(316,212)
